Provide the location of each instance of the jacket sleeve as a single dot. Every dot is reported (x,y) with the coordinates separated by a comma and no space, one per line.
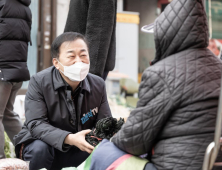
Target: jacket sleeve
(139,133)
(37,120)
(99,29)
(96,20)
(104,110)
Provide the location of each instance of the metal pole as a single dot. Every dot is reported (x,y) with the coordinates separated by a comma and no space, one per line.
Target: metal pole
(47,32)
(54,19)
(217,132)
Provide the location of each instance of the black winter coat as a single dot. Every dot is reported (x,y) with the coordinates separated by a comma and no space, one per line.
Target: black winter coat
(51,114)
(96,19)
(15,26)
(178,95)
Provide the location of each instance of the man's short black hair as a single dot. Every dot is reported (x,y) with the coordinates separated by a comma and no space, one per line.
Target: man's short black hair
(65,37)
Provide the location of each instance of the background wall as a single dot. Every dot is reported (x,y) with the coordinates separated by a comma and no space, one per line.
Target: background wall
(148,14)
(33,50)
(62,13)
(127,45)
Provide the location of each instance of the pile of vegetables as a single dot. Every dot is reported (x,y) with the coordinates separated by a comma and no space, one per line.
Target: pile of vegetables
(105,129)
(7,146)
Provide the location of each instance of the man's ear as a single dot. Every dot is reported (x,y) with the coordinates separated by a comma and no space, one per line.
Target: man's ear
(55,63)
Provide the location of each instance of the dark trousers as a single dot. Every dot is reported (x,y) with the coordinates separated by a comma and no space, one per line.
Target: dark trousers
(42,155)
(9,120)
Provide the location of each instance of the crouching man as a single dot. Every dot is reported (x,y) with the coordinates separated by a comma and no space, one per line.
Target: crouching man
(61,103)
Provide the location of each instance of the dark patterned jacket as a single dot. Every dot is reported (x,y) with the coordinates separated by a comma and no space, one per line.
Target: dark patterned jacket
(178,95)
(52,112)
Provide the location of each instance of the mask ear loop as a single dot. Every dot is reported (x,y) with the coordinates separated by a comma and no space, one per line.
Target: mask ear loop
(59,62)
(62,65)
(63,79)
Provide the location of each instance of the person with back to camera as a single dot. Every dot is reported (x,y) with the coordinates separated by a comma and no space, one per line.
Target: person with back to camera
(175,117)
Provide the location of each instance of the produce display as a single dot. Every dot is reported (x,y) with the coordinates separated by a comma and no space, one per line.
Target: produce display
(105,129)
(7,147)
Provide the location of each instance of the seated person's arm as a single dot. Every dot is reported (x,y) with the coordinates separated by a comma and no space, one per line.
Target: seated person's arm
(37,120)
(139,133)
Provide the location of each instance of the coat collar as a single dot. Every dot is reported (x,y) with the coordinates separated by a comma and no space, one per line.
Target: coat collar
(59,82)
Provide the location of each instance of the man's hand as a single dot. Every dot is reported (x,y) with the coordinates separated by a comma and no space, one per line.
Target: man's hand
(78,139)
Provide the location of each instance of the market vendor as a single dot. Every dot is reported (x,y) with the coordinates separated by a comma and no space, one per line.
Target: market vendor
(62,103)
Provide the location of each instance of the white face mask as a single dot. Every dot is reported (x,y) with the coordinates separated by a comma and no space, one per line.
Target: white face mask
(76,72)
